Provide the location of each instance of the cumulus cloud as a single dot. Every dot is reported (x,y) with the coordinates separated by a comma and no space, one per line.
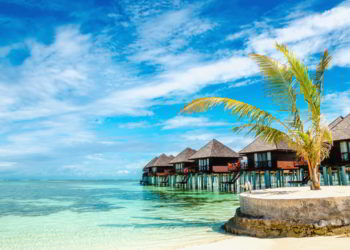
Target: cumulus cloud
(7,165)
(188,122)
(133,125)
(122,172)
(307,34)
(335,104)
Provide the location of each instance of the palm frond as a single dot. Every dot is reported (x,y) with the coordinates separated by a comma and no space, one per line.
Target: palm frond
(307,88)
(240,109)
(320,70)
(268,134)
(279,81)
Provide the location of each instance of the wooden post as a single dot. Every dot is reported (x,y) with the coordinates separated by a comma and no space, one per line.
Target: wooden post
(343,175)
(259,180)
(254,180)
(330,174)
(325,175)
(338,176)
(266,179)
(212,181)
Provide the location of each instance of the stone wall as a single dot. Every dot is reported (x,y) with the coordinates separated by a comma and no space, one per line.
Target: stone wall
(268,228)
(293,212)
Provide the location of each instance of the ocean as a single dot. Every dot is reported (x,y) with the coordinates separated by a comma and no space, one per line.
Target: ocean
(108,215)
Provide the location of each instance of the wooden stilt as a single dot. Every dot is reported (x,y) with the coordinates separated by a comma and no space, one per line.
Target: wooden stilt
(343,176)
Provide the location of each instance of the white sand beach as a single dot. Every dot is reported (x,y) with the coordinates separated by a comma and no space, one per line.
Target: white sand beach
(250,243)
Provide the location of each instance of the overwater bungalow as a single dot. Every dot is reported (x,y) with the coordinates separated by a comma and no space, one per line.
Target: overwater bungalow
(146,171)
(182,162)
(215,157)
(162,166)
(340,152)
(266,156)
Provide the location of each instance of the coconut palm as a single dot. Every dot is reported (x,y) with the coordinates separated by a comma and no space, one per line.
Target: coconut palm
(285,84)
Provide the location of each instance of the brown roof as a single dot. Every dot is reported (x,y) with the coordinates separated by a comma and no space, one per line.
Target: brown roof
(335,122)
(149,164)
(163,161)
(340,128)
(214,149)
(258,145)
(184,156)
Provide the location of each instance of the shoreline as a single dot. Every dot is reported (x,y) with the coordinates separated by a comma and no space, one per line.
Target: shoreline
(252,243)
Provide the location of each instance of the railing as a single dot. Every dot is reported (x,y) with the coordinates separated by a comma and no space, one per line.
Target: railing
(180,170)
(300,163)
(236,166)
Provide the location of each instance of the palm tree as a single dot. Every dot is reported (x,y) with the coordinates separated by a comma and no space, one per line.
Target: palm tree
(285,84)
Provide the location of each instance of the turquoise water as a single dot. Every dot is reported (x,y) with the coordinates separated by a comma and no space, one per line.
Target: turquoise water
(108,215)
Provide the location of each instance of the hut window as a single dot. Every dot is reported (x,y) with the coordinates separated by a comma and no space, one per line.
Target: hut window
(262,159)
(269,159)
(179,167)
(203,164)
(344,150)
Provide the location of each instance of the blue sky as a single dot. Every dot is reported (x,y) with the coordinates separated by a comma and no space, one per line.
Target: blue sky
(93,89)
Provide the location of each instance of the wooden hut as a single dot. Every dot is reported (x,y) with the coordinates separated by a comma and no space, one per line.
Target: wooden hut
(162,166)
(265,156)
(182,162)
(148,168)
(214,157)
(340,152)
(147,171)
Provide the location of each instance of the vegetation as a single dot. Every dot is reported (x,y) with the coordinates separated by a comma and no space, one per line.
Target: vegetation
(288,85)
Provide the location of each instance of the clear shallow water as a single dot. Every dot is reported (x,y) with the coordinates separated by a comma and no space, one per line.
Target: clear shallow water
(108,215)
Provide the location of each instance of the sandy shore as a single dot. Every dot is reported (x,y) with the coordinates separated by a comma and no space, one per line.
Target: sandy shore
(250,243)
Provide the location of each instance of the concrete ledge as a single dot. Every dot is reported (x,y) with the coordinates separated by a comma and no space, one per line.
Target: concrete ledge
(329,206)
(264,228)
(293,212)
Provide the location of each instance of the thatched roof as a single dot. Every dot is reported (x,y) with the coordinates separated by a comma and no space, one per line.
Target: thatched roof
(214,149)
(184,156)
(340,128)
(163,161)
(258,145)
(149,164)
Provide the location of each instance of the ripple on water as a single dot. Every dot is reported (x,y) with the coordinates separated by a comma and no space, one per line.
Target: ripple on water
(106,214)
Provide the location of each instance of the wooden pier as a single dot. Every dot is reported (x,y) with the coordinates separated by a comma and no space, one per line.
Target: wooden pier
(235,182)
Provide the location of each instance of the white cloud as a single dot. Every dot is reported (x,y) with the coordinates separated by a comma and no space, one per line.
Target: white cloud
(188,122)
(243,83)
(306,35)
(7,165)
(133,125)
(95,157)
(202,136)
(122,172)
(179,83)
(239,35)
(335,104)
(159,44)
(342,57)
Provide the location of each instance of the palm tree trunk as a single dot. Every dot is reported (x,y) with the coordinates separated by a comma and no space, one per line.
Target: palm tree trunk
(315,179)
